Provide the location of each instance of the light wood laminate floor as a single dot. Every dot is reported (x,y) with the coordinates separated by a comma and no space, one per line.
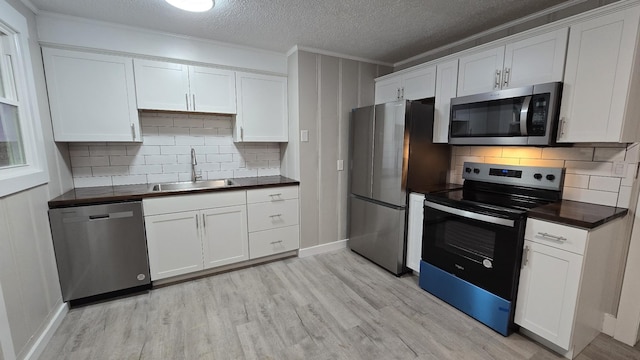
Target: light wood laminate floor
(331,306)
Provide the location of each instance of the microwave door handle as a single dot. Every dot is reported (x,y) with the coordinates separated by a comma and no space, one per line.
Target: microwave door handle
(470,214)
(524,115)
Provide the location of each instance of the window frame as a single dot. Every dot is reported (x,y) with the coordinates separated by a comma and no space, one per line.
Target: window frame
(34,172)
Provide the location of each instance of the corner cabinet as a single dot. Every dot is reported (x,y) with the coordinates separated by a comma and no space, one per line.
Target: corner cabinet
(262,108)
(602,80)
(91,96)
(412,85)
(178,87)
(534,60)
(193,232)
(562,281)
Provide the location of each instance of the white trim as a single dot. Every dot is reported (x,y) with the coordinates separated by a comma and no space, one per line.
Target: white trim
(30,5)
(6,341)
(41,342)
(322,248)
(336,54)
(609,324)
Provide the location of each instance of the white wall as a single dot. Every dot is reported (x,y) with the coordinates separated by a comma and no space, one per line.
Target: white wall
(28,274)
(165,153)
(328,88)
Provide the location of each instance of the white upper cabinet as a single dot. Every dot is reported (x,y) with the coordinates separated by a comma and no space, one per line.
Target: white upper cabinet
(91,96)
(412,85)
(262,108)
(446,86)
(602,81)
(535,60)
(176,87)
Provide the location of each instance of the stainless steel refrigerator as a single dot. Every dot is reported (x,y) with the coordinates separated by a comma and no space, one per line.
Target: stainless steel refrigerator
(391,154)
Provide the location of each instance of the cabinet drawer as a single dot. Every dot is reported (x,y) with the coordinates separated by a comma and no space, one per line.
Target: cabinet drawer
(273,194)
(269,242)
(271,215)
(555,235)
(188,202)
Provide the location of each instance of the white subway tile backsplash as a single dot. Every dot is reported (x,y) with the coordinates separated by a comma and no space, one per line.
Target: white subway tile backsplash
(624,197)
(160,159)
(502,161)
(592,196)
(165,153)
(604,183)
(542,163)
(460,160)
(110,170)
(589,168)
(629,175)
(492,151)
(577,153)
(609,154)
(466,150)
(81,182)
(576,181)
(521,152)
(129,179)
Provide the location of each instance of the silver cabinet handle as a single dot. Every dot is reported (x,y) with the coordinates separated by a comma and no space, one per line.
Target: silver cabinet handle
(275,242)
(241,133)
(498,78)
(561,130)
(276,215)
(525,256)
(197,225)
(507,72)
(401,93)
(186,99)
(194,102)
(204,222)
(133,131)
(398,94)
(553,237)
(276,197)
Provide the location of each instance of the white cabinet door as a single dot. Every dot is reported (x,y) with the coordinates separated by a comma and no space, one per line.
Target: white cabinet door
(91,96)
(388,90)
(262,108)
(212,90)
(446,82)
(480,72)
(548,292)
(174,244)
(536,60)
(224,236)
(162,85)
(598,76)
(419,84)
(414,231)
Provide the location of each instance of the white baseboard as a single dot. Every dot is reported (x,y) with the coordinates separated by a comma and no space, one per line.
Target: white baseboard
(41,342)
(609,324)
(323,248)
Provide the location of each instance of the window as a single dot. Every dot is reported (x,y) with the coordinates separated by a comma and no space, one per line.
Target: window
(22,161)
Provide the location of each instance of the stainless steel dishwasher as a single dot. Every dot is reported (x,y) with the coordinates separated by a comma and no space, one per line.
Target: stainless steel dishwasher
(99,248)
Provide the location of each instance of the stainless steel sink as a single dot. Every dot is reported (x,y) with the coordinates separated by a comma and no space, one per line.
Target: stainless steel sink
(188,185)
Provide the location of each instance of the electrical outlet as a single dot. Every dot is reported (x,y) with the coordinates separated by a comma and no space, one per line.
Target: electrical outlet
(304,135)
(340,165)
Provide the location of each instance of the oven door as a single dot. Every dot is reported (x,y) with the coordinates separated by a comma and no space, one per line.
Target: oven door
(482,248)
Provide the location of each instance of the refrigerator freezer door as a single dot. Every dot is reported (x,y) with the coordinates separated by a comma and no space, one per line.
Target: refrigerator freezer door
(377,233)
(362,126)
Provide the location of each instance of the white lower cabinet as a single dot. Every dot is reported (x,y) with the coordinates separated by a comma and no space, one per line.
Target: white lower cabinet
(195,232)
(561,298)
(273,221)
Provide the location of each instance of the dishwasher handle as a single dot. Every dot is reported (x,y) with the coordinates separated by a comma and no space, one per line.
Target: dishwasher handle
(107,216)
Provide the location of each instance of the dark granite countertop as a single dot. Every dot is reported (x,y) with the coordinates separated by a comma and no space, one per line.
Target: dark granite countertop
(106,194)
(579,214)
(430,189)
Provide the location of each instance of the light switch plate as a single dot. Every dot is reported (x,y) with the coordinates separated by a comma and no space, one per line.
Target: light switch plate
(304,135)
(340,165)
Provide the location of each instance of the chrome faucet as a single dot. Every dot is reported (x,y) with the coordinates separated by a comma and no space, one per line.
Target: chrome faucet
(194,162)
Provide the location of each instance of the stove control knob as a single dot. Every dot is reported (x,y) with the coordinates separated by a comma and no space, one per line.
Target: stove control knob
(468,170)
(537,176)
(476,171)
(551,177)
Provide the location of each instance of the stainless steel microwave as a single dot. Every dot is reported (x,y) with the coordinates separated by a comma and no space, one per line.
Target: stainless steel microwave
(519,116)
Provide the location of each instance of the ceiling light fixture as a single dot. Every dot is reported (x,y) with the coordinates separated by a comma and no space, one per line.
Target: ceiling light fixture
(192,5)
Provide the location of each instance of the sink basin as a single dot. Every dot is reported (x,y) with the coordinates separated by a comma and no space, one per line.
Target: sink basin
(188,185)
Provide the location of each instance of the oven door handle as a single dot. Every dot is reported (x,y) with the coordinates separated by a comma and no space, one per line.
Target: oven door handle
(470,214)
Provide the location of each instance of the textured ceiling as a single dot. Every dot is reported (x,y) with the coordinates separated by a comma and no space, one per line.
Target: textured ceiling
(387,31)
